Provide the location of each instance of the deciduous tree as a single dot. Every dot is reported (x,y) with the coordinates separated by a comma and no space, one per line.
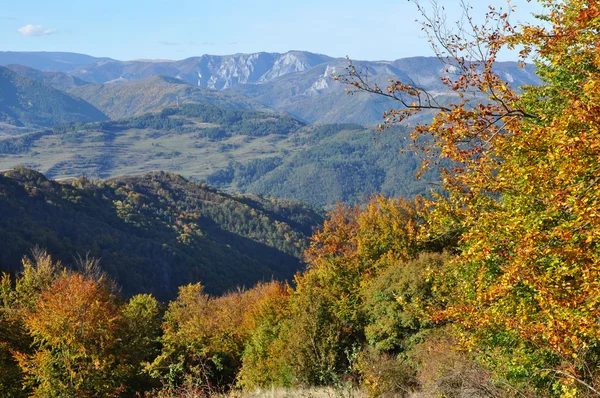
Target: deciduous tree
(524,191)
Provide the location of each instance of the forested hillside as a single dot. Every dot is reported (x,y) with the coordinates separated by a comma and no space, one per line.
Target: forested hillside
(193,140)
(340,162)
(154,232)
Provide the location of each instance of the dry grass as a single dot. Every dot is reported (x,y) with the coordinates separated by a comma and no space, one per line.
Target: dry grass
(314,392)
(324,392)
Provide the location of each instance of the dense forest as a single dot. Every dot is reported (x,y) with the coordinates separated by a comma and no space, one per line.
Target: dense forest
(488,288)
(341,162)
(154,232)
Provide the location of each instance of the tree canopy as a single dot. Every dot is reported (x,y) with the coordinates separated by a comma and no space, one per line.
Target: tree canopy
(523,191)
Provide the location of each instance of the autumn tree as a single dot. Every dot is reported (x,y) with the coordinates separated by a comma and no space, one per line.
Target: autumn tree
(263,362)
(16,298)
(74,331)
(139,335)
(68,334)
(524,188)
(327,313)
(204,337)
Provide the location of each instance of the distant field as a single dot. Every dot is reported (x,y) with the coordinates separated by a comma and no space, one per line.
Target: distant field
(193,141)
(239,151)
(134,151)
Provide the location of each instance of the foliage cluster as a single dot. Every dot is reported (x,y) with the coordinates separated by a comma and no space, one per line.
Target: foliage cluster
(523,194)
(353,316)
(68,334)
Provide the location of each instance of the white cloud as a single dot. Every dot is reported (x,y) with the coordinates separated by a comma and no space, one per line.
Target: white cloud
(35,30)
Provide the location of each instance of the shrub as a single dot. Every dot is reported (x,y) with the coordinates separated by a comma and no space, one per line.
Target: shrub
(385,375)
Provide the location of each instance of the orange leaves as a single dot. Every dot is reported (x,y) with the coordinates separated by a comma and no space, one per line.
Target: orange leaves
(74,310)
(530,215)
(337,236)
(362,240)
(524,186)
(82,341)
(588,14)
(74,326)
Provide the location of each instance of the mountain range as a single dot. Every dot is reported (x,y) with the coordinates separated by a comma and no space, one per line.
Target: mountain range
(297,82)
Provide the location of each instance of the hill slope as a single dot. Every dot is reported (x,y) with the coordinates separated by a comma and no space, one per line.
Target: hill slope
(347,163)
(193,140)
(59,80)
(121,100)
(154,232)
(27,102)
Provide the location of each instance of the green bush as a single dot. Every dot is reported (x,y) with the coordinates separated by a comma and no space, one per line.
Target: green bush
(395,301)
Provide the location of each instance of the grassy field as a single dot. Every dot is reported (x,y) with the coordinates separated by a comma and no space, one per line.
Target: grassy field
(134,151)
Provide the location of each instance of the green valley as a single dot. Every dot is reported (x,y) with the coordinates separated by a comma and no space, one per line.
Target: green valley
(236,150)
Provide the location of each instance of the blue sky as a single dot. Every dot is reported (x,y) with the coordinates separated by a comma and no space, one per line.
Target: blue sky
(167,29)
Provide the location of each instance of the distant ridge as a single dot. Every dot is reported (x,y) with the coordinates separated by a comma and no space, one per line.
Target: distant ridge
(49,61)
(212,71)
(300,83)
(126,99)
(29,103)
(59,80)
